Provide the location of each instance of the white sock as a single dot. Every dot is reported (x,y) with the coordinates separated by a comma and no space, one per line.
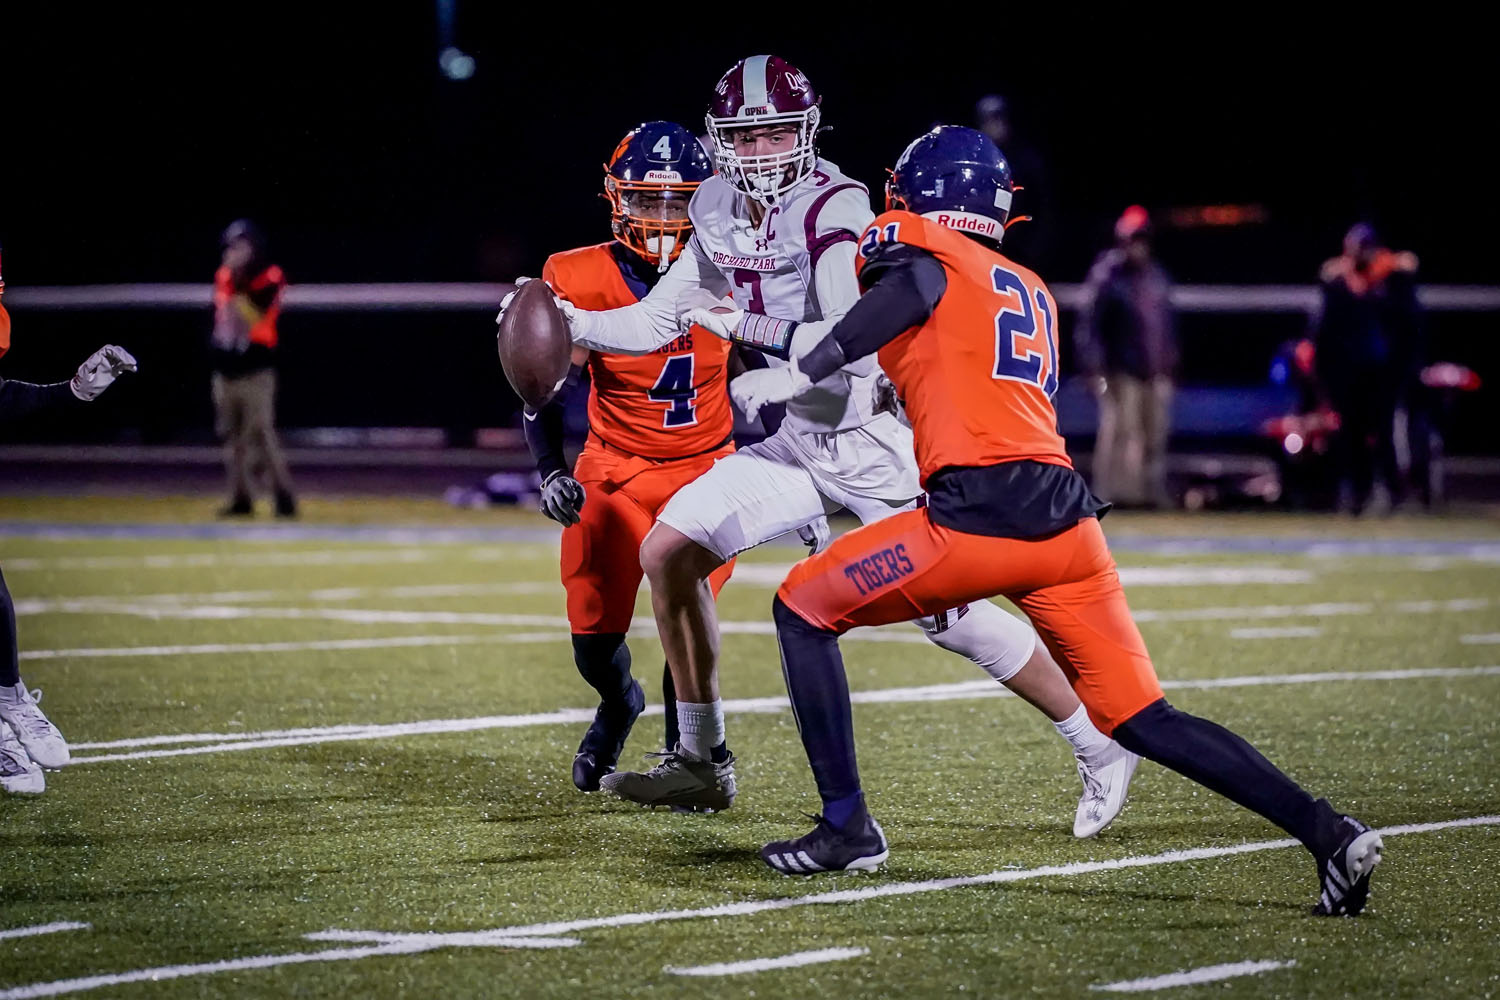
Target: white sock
(702,727)
(1000,643)
(1079,730)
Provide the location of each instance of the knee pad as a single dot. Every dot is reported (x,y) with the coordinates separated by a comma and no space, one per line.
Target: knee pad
(1000,643)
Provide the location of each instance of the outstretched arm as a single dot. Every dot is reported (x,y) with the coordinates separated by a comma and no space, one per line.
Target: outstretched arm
(653,321)
(18,399)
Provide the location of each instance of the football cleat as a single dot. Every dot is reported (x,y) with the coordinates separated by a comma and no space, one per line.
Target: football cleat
(43,743)
(600,750)
(682,781)
(1105,786)
(860,846)
(1346,872)
(19,774)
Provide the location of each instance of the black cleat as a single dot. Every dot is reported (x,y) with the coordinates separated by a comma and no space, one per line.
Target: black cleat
(1346,872)
(286,505)
(601,746)
(858,847)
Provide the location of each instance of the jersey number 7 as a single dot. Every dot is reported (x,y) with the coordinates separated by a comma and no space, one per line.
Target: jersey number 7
(674,386)
(1020,355)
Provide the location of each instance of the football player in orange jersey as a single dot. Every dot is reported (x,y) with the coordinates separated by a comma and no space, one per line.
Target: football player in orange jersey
(656,422)
(969,340)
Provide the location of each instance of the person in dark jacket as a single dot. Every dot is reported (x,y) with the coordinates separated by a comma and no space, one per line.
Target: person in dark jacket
(1370,351)
(28,739)
(247,304)
(1127,346)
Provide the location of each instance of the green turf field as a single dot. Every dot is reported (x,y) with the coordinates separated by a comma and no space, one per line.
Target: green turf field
(319,763)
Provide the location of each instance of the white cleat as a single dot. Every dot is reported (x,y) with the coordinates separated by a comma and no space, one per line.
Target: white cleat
(1105,786)
(19,774)
(43,743)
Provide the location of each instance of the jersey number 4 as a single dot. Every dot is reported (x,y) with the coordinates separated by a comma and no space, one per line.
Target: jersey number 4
(674,386)
(1020,354)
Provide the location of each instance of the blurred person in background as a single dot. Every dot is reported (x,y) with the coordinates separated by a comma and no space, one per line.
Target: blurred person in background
(247,302)
(1031,244)
(1370,353)
(28,739)
(1127,346)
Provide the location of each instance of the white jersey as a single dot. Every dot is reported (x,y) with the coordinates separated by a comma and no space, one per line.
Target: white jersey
(797,264)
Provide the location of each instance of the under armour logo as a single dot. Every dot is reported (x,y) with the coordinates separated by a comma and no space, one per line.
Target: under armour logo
(761,246)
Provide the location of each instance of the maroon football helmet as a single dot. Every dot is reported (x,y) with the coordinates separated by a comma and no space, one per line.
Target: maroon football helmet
(760,91)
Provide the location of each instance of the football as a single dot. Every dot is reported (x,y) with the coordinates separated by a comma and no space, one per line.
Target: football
(534,343)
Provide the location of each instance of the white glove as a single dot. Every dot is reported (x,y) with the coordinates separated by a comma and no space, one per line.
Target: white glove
(100,371)
(765,386)
(568,309)
(717,320)
(815,536)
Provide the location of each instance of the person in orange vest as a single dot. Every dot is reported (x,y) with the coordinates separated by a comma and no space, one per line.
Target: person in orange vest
(247,303)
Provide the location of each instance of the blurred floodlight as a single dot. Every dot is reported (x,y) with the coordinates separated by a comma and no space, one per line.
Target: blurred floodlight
(1293,443)
(455,63)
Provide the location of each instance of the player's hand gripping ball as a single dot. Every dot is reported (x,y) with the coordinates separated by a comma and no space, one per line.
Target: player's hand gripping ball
(534,342)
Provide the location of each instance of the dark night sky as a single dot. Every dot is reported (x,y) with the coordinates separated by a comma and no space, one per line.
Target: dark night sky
(130,141)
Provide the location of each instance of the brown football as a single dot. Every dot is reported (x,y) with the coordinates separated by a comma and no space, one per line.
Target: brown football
(535,346)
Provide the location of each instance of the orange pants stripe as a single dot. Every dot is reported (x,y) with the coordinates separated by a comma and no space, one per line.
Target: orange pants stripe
(905,567)
(601,561)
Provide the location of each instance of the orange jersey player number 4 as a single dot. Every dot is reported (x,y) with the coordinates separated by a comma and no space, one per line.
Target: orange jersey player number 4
(670,403)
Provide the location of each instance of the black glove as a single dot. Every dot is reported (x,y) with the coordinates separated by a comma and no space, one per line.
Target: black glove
(562,498)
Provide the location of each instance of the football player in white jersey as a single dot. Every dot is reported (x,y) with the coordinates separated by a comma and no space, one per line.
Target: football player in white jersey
(773,251)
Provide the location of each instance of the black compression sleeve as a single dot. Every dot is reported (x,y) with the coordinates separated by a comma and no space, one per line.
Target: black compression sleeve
(18,399)
(905,288)
(544,428)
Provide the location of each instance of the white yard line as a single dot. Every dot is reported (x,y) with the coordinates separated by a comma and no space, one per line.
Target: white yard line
(462,939)
(793,961)
(193,560)
(166,972)
(1192,977)
(962,691)
(1484,639)
(1277,632)
(164,610)
(380,943)
(212,648)
(36,929)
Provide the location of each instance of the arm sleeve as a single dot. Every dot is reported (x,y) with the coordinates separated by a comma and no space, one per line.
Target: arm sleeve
(20,399)
(648,324)
(544,428)
(905,288)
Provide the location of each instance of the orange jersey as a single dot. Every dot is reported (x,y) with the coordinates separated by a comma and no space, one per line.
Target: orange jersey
(977,377)
(671,403)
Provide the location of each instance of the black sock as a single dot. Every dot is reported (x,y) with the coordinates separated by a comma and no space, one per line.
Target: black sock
(604,661)
(1223,762)
(10,659)
(815,681)
(669,705)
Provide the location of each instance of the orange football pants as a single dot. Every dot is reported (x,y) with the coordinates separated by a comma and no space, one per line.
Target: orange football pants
(905,567)
(601,558)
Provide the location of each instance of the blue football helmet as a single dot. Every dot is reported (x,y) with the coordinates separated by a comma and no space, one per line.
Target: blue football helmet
(649,180)
(956,177)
